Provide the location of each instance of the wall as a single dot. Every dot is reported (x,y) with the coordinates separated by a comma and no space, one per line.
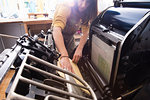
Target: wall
(14,29)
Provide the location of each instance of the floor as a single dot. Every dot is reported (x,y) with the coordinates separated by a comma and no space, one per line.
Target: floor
(5,83)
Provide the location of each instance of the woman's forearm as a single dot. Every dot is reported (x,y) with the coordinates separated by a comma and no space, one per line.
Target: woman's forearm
(83,40)
(78,53)
(59,41)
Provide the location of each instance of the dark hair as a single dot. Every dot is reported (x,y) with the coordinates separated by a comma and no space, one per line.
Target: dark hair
(90,13)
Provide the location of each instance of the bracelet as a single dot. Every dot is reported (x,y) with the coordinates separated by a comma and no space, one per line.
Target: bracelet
(63,57)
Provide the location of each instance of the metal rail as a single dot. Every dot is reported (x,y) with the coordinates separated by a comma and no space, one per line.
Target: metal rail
(9,36)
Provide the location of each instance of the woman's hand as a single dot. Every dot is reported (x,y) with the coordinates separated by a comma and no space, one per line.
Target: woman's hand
(65,64)
(77,55)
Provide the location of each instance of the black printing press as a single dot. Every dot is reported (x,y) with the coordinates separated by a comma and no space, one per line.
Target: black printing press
(115,63)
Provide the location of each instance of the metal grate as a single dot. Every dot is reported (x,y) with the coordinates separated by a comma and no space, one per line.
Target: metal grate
(13,95)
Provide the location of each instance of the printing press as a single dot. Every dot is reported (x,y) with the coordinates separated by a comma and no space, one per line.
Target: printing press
(114,66)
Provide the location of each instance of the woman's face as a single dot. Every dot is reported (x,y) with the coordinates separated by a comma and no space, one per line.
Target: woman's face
(82,5)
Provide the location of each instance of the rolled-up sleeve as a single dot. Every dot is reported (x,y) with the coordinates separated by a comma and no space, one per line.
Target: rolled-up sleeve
(61,14)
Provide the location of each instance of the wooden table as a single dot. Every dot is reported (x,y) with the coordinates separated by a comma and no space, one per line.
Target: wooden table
(36,22)
(36,14)
(18,27)
(26,22)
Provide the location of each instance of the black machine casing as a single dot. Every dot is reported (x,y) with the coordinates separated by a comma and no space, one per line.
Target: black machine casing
(119,51)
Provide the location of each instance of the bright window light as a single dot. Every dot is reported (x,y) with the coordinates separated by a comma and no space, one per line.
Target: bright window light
(69,1)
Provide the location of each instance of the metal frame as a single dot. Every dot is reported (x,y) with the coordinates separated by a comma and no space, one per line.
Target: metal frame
(12,95)
(8,60)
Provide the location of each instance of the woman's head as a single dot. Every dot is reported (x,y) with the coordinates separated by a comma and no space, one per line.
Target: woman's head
(88,8)
(82,5)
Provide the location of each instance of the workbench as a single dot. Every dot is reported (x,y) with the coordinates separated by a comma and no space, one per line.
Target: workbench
(19,27)
(26,22)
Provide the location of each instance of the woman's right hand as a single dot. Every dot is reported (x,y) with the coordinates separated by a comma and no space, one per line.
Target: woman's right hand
(65,64)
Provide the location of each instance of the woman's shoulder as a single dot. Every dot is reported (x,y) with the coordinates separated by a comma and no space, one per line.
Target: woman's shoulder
(63,8)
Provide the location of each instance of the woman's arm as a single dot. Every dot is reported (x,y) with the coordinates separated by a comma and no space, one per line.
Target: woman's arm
(78,52)
(59,41)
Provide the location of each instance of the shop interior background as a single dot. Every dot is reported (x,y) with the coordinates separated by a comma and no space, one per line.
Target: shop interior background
(20,8)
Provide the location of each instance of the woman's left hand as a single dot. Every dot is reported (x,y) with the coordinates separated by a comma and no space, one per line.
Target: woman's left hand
(77,55)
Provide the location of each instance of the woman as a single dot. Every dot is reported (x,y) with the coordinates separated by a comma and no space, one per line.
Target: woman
(68,18)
